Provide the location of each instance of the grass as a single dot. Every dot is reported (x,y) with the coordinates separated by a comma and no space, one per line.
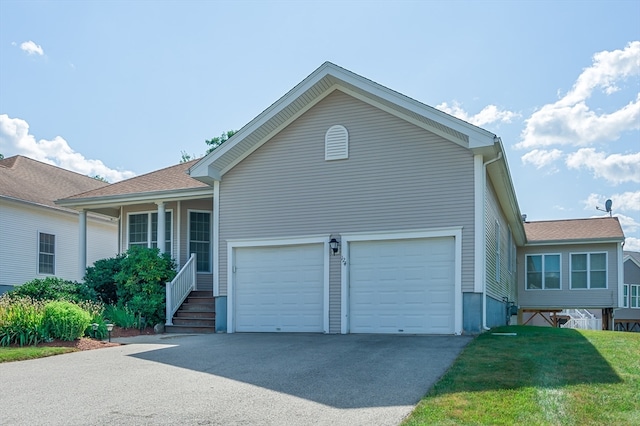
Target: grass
(9,354)
(541,376)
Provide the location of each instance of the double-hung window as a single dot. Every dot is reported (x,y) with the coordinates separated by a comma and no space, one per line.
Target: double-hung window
(543,272)
(143,230)
(588,270)
(200,239)
(635,296)
(46,253)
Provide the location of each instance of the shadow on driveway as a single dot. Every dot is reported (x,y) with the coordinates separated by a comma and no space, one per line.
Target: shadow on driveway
(341,371)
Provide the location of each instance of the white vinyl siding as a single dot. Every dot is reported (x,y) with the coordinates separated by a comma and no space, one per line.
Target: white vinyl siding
(19,255)
(543,272)
(497,243)
(336,143)
(588,270)
(46,254)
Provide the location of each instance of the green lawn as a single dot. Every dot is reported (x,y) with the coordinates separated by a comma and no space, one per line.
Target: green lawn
(8,354)
(541,376)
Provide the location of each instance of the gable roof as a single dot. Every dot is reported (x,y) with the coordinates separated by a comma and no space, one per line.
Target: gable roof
(168,184)
(632,256)
(601,229)
(318,85)
(28,180)
(329,78)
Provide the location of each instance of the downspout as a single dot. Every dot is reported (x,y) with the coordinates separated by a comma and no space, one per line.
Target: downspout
(484,235)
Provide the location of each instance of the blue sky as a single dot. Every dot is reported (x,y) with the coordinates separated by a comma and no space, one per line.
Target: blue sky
(121,88)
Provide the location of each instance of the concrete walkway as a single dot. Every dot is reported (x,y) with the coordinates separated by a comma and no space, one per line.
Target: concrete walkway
(230,379)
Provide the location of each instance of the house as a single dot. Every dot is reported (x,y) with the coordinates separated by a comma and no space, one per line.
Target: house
(347,207)
(571,264)
(627,318)
(40,238)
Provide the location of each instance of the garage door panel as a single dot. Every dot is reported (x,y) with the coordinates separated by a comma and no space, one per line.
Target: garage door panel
(402,286)
(279,288)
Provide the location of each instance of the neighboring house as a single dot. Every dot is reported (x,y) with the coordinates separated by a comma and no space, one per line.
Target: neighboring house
(571,264)
(39,238)
(346,207)
(627,318)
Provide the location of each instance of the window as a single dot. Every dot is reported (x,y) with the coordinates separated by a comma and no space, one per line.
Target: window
(635,296)
(625,296)
(588,270)
(143,230)
(46,253)
(200,239)
(543,272)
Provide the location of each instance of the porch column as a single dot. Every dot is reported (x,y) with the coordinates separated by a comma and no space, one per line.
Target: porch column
(162,237)
(82,243)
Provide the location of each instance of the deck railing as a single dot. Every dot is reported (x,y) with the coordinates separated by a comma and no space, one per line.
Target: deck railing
(582,319)
(180,287)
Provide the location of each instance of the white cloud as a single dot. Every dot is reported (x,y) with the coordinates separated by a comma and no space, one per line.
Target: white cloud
(489,114)
(570,121)
(16,140)
(31,48)
(627,201)
(540,157)
(632,244)
(615,168)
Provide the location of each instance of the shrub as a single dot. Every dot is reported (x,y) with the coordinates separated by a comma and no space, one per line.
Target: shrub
(54,288)
(141,281)
(122,316)
(21,321)
(65,320)
(101,278)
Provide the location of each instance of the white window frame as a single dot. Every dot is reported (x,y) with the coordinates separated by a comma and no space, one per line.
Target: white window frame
(498,266)
(526,272)
(606,270)
(634,300)
(149,214)
(210,213)
(55,249)
(511,255)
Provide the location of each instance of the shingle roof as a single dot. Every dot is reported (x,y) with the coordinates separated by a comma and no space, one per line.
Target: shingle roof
(30,180)
(167,179)
(634,255)
(602,228)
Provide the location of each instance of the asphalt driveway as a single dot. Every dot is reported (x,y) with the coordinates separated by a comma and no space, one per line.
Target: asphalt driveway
(230,379)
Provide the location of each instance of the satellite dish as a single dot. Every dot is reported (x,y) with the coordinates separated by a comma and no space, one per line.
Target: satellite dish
(607,206)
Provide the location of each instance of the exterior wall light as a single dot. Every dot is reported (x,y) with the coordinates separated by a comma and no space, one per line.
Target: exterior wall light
(335,246)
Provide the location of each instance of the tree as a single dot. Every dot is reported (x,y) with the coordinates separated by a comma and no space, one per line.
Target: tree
(184,157)
(1,156)
(100,178)
(217,141)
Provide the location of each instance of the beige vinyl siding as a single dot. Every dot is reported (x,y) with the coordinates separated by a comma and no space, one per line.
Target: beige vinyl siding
(567,298)
(334,294)
(19,227)
(398,177)
(494,217)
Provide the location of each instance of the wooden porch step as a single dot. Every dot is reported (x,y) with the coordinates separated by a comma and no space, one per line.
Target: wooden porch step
(195,315)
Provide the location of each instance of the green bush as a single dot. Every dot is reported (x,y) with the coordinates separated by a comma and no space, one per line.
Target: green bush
(141,282)
(65,320)
(54,288)
(21,321)
(101,278)
(122,316)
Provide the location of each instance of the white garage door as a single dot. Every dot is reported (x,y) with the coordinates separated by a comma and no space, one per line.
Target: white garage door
(279,288)
(402,286)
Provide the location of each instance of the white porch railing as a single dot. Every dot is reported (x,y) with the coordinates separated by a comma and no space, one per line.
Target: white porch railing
(180,287)
(581,319)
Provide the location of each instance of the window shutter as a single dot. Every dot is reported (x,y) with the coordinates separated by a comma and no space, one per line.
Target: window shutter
(336,143)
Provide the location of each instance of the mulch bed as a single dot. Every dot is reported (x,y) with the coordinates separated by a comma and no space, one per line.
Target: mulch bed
(86,343)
